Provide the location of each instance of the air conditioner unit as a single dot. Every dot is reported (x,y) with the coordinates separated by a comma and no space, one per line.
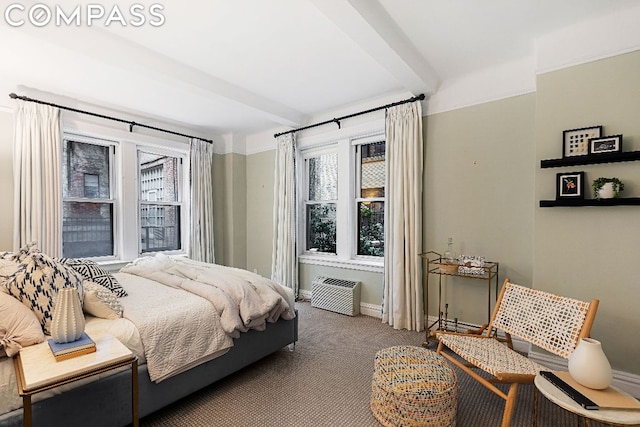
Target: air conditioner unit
(341,296)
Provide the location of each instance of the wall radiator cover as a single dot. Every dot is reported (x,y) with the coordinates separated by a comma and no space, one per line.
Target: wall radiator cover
(341,296)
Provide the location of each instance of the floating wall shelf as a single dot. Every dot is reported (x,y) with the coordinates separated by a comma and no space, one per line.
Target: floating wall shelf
(628,156)
(620,201)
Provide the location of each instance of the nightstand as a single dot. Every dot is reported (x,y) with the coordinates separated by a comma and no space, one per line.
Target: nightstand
(37,370)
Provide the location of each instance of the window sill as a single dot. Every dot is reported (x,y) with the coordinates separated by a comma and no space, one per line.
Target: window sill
(350,264)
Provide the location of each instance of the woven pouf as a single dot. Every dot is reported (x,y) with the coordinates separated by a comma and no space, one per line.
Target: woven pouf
(413,386)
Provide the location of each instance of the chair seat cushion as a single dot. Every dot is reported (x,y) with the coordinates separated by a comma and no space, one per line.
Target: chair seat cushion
(490,355)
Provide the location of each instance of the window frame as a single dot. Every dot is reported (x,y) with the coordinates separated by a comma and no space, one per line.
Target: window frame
(113,199)
(305,202)
(125,190)
(346,223)
(358,143)
(180,202)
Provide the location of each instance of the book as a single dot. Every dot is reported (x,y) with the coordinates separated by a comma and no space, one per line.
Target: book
(67,350)
(608,398)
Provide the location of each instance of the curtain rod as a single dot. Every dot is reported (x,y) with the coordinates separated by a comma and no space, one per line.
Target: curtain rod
(337,120)
(102,116)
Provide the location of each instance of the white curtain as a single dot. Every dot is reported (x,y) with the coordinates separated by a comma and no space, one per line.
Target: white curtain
(403,293)
(36,171)
(284,265)
(201,247)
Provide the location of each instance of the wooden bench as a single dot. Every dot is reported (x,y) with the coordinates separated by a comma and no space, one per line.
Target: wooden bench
(549,321)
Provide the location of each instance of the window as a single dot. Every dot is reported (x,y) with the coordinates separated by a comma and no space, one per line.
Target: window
(123,198)
(88,205)
(370,198)
(321,203)
(160,203)
(342,199)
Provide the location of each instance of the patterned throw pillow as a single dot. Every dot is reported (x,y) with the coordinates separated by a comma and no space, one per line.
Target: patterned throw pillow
(36,285)
(24,251)
(93,272)
(100,301)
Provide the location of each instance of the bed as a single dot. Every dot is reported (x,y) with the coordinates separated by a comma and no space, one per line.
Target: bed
(190,324)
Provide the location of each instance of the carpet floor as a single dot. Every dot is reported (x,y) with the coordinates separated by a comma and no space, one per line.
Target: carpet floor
(326,381)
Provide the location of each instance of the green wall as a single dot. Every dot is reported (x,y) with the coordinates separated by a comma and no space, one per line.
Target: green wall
(478,189)
(230,209)
(260,211)
(591,252)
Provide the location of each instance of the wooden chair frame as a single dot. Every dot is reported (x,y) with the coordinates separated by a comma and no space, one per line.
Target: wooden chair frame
(549,321)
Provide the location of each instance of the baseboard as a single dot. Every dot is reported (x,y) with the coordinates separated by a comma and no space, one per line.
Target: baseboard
(371,310)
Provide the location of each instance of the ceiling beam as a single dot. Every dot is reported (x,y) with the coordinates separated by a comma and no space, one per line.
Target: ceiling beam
(368,24)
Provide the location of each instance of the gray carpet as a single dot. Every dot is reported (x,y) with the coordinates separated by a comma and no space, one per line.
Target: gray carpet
(326,381)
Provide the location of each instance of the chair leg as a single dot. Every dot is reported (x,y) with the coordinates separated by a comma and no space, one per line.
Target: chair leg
(509,405)
(535,407)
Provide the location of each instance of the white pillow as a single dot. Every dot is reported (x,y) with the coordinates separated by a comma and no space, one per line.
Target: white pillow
(100,301)
(19,326)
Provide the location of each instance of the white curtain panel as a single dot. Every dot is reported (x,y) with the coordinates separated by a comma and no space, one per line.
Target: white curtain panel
(403,305)
(201,164)
(36,167)
(284,265)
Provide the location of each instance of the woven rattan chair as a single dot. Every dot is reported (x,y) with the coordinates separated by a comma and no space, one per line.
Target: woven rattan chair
(549,321)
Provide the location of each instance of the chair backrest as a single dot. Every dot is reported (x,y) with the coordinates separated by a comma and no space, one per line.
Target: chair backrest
(552,322)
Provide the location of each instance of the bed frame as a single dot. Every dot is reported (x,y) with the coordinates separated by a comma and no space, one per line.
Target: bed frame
(107,402)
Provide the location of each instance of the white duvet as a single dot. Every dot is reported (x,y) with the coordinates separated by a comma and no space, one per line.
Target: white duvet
(243,300)
(203,306)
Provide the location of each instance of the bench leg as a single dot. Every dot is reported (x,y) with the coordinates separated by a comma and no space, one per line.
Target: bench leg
(509,405)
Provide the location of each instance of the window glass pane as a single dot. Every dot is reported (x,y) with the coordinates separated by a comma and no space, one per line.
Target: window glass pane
(87,229)
(371,226)
(372,170)
(160,227)
(79,160)
(321,228)
(159,176)
(323,177)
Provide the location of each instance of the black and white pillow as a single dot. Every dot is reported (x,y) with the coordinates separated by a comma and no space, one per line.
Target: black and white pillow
(100,301)
(92,271)
(36,284)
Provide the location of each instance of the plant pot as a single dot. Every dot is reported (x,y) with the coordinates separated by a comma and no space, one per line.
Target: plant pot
(606,192)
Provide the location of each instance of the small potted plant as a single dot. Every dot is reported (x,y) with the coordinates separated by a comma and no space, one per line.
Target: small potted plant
(607,188)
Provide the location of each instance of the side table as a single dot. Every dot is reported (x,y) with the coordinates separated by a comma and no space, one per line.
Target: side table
(607,416)
(37,370)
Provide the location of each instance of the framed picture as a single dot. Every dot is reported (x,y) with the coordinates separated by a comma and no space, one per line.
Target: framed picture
(606,144)
(575,142)
(570,185)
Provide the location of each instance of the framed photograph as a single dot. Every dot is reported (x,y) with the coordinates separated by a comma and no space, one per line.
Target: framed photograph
(575,142)
(606,144)
(570,185)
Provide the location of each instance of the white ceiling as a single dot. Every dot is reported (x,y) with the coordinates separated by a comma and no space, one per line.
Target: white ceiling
(244,66)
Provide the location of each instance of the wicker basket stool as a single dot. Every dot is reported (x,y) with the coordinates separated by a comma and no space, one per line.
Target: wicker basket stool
(413,386)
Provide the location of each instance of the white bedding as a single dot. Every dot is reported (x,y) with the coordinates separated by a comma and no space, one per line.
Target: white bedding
(242,300)
(178,329)
(188,321)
